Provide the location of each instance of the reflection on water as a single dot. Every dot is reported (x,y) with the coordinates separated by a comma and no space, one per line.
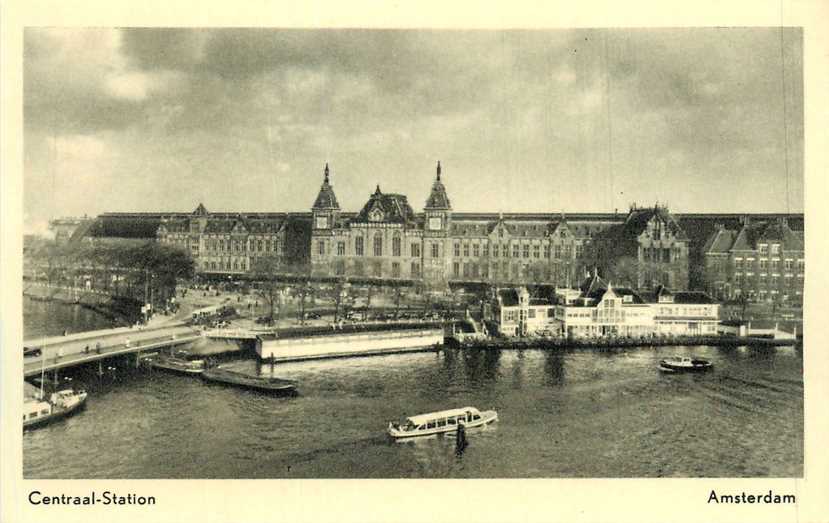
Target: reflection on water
(576,413)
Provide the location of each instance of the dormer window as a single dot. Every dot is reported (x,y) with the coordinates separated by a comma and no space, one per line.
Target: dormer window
(764,248)
(376,215)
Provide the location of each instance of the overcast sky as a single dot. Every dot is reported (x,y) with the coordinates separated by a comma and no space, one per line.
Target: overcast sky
(549,121)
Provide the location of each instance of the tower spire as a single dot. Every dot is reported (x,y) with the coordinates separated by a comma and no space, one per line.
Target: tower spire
(326,172)
(438,170)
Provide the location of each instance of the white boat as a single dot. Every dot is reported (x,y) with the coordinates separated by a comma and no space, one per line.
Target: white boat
(60,404)
(440,422)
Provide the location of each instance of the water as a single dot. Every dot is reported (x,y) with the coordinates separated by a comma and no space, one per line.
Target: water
(44,318)
(562,415)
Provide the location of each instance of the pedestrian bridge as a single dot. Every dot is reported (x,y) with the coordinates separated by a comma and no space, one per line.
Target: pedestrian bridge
(88,347)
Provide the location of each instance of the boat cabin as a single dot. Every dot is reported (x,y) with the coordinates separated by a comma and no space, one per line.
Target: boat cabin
(443,419)
(33,410)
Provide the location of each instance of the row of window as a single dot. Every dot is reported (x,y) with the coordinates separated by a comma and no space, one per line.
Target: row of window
(226,265)
(748,263)
(243,245)
(518,251)
(359,247)
(377,269)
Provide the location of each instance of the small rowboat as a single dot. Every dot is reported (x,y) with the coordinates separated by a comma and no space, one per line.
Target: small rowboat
(441,422)
(685,364)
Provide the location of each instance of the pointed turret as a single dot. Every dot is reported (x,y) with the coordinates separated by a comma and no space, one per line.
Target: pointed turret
(438,200)
(326,198)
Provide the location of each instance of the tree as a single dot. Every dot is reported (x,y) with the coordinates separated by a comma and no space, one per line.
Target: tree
(265,271)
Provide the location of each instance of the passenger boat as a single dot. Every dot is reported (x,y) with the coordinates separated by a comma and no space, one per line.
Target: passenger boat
(60,404)
(239,379)
(178,363)
(684,364)
(440,422)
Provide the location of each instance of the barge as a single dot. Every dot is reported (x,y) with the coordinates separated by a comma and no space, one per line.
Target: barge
(249,381)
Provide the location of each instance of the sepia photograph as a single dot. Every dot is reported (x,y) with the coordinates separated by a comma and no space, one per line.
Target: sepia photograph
(357,253)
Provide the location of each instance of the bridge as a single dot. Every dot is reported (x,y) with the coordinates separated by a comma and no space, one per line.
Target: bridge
(60,352)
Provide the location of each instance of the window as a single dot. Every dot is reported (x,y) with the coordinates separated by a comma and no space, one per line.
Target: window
(546,251)
(221,245)
(531,313)
(340,248)
(526,251)
(395,270)
(457,250)
(416,250)
(358,245)
(466,249)
(378,270)
(485,270)
(775,265)
(339,268)
(456,269)
(435,250)
(775,248)
(495,250)
(762,265)
(788,265)
(378,244)
(395,246)
(259,245)
(558,252)
(415,270)
(800,265)
(515,250)
(465,270)
(505,251)
(321,248)
(764,249)
(536,251)
(476,250)
(486,249)
(738,263)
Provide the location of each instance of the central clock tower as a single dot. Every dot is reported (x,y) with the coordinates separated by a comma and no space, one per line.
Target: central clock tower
(438,221)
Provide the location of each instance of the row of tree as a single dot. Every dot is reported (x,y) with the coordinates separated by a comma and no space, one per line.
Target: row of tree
(145,271)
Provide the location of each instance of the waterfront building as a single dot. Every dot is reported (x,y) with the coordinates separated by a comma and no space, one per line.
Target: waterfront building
(761,261)
(598,309)
(226,243)
(521,311)
(390,241)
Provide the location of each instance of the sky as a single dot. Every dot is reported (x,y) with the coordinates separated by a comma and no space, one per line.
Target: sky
(703,120)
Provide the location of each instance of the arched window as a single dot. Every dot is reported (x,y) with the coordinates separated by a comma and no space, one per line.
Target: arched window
(378,244)
(395,245)
(358,245)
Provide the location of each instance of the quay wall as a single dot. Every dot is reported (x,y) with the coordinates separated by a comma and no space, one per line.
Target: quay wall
(356,344)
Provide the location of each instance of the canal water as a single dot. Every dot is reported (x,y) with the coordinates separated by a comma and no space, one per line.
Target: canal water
(564,414)
(48,318)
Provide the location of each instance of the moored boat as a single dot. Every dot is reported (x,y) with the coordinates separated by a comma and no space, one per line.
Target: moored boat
(60,404)
(178,363)
(685,364)
(249,381)
(441,422)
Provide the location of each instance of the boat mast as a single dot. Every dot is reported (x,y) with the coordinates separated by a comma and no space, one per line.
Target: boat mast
(42,372)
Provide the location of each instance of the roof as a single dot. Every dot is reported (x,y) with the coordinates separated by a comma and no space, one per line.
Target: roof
(326,199)
(693,297)
(508,297)
(423,418)
(438,200)
(638,219)
(391,208)
(720,242)
(591,284)
(753,233)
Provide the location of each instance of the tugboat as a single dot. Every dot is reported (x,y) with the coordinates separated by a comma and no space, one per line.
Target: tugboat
(38,411)
(684,364)
(440,422)
(249,381)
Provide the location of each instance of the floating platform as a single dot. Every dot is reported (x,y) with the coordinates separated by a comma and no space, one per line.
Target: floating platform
(349,341)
